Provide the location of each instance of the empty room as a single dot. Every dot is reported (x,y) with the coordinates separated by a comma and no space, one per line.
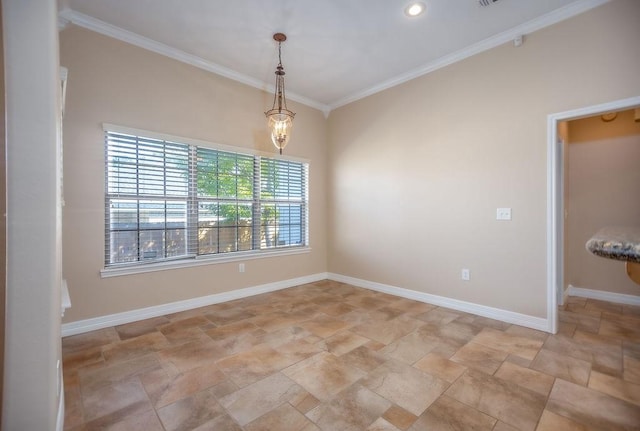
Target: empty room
(321,215)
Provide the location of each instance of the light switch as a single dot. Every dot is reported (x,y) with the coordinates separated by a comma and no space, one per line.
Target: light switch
(503,214)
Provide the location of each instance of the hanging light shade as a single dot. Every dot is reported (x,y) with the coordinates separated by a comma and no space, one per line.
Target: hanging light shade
(280,119)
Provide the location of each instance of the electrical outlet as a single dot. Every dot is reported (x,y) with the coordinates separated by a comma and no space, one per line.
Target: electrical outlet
(241,267)
(466,274)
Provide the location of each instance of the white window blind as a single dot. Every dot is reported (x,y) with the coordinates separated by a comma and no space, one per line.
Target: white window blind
(167,200)
(283,190)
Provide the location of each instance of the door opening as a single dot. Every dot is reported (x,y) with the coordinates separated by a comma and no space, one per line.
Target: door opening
(555,199)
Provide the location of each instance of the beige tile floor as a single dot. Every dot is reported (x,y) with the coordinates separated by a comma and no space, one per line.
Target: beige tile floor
(333,357)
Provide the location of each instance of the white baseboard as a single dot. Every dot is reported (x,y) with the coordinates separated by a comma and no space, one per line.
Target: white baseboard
(563,298)
(81,326)
(468,307)
(618,298)
(60,421)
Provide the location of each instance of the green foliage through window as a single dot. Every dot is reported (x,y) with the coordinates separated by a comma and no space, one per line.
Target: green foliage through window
(168,200)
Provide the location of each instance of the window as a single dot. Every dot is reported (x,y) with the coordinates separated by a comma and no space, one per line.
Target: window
(167,200)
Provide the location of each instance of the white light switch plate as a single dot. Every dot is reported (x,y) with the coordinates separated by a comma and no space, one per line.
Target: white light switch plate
(503,214)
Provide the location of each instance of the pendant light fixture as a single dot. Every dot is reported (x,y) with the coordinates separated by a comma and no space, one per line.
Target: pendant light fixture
(280,119)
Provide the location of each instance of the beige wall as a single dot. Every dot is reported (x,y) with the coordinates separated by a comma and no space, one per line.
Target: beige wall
(407,192)
(32,345)
(111,81)
(603,190)
(416,172)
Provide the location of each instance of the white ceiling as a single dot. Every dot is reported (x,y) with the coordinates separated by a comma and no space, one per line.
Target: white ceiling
(337,51)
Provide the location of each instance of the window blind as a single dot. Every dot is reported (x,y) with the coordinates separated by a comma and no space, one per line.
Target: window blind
(170,200)
(146,199)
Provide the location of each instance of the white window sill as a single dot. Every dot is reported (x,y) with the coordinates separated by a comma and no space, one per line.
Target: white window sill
(140,268)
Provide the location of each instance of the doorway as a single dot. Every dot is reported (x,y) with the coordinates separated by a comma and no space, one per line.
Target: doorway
(555,199)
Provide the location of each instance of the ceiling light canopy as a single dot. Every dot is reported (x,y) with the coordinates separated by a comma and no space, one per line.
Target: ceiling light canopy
(414,9)
(280,119)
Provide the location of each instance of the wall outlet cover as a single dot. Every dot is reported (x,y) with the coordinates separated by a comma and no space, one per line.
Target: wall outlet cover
(466,275)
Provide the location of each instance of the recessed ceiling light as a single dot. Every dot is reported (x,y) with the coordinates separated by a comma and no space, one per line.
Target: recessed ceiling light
(414,9)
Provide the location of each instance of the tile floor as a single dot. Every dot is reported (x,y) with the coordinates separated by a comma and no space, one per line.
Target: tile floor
(333,357)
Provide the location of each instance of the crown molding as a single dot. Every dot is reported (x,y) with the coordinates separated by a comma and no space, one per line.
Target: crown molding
(546,20)
(67,16)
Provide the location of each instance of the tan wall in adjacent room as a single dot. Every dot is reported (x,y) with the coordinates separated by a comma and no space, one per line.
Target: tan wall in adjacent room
(603,190)
(416,172)
(114,82)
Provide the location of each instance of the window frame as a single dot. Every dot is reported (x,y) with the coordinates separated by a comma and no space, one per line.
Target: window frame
(189,258)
